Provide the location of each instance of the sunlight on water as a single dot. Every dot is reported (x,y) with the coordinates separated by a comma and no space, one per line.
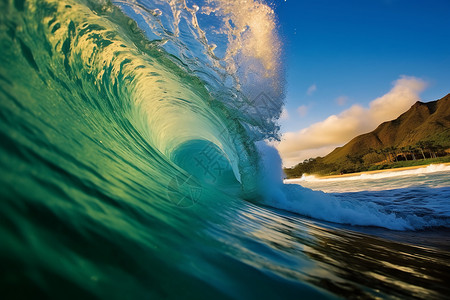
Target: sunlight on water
(132,166)
(433,176)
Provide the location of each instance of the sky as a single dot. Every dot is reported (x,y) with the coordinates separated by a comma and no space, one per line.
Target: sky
(353,64)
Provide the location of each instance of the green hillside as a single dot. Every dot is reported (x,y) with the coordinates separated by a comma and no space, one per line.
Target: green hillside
(421,132)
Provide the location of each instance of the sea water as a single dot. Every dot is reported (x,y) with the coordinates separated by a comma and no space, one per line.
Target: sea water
(411,199)
(420,196)
(133,165)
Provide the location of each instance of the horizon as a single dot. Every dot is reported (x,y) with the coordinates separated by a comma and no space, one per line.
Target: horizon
(351,66)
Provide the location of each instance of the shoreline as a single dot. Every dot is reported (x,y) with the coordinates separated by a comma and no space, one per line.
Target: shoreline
(377,171)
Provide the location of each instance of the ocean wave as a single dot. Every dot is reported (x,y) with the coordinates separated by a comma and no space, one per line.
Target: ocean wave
(106,95)
(158,78)
(133,161)
(361,208)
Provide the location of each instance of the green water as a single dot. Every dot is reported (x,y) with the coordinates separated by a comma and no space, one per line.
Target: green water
(103,194)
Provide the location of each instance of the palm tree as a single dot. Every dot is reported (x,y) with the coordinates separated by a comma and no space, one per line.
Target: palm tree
(431,148)
(403,153)
(411,150)
(439,149)
(393,148)
(420,145)
(382,151)
(379,152)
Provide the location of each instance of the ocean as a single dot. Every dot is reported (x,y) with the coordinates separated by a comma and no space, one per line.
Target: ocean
(134,164)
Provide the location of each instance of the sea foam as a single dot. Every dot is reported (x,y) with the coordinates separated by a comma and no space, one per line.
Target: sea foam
(432,168)
(330,207)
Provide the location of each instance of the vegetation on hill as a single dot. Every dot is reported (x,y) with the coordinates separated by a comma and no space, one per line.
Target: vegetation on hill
(412,157)
(419,135)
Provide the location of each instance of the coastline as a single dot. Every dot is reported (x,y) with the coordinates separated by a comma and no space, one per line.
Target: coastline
(378,171)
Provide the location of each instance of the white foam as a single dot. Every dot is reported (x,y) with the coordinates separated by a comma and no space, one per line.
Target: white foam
(319,205)
(327,207)
(271,174)
(371,176)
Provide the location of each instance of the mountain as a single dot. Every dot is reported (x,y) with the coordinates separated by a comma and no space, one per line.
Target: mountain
(423,124)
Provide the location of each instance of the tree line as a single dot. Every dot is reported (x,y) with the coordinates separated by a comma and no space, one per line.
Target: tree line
(372,159)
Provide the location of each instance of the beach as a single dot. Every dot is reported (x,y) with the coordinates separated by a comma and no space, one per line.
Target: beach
(378,171)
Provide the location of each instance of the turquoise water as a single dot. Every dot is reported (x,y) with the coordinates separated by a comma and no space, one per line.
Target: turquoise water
(129,170)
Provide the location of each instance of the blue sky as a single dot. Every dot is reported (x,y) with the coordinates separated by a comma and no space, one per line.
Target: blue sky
(355,49)
(351,52)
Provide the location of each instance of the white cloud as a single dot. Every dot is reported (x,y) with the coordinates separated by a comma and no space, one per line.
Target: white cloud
(284,114)
(302,110)
(322,137)
(311,90)
(341,100)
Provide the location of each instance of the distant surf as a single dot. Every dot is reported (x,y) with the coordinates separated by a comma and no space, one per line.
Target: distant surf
(396,207)
(426,169)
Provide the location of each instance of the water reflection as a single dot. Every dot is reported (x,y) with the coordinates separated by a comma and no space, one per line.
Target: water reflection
(341,261)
